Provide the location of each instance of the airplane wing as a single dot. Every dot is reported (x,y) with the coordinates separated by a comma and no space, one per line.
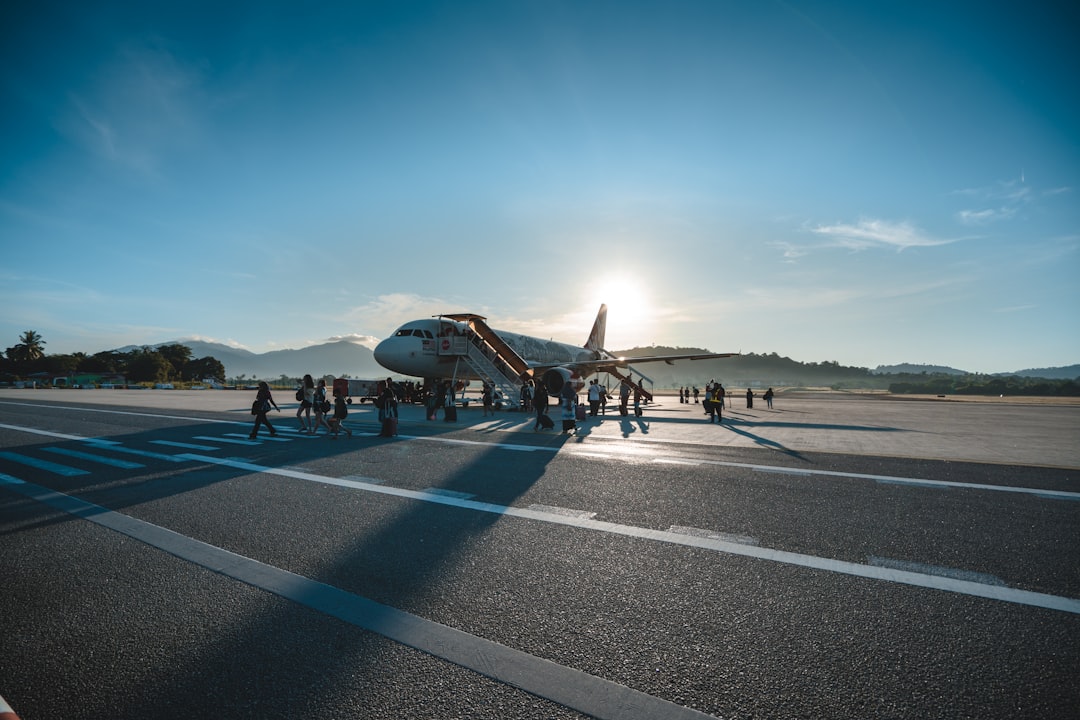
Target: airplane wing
(587,367)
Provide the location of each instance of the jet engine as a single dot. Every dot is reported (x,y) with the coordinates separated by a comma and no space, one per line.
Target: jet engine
(555,378)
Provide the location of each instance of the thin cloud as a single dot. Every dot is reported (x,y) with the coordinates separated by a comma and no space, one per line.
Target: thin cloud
(985,217)
(870,233)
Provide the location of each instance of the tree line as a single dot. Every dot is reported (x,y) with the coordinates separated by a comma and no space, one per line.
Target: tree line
(166,363)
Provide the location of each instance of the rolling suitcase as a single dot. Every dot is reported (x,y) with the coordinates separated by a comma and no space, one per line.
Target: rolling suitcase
(579,412)
(389,427)
(451,413)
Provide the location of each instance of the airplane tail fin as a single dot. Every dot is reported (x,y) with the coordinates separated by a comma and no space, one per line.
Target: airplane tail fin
(599,329)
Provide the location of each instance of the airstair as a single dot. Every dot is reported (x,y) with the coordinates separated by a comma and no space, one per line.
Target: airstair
(488,355)
(640,385)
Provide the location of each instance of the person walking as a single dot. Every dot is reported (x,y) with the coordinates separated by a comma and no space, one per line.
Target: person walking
(718,403)
(594,397)
(540,404)
(263,400)
(307,386)
(321,407)
(624,396)
(341,411)
(769,397)
(485,395)
(749,398)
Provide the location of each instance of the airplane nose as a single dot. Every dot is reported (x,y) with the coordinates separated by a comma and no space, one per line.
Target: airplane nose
(380,352)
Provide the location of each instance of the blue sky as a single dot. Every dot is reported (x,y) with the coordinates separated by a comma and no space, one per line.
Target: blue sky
(869,183)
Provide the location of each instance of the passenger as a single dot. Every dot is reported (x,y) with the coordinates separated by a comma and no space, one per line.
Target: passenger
(769,397)
(594,397)
(321,407)
(569,403)
(527,396)
(624,396)
(308,387)
(721,393)
(341,411)
(486,395)
(540,404)
(263,400)
(749,398)
(718,403)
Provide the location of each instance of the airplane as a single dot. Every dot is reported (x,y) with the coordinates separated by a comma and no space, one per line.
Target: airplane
(436,347)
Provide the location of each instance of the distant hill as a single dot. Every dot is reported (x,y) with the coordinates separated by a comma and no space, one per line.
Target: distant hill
(748,370)
(910,369)
(334,358)
(1069,372)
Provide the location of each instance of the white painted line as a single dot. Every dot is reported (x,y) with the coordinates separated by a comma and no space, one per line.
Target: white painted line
(675,461)
(579,691)
(47,433)
(113,447)
(125,464)
(1004,594)
(185,446)
(566,512)
(971,575)
(701,532)
(55,468)
(226,440)
(451,493)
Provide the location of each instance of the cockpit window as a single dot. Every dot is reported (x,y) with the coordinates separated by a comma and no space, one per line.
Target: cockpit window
(403,332)
(428,335)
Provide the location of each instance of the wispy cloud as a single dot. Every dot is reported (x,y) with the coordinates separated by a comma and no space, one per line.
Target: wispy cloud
(871,233)
(144,104)
(999,202)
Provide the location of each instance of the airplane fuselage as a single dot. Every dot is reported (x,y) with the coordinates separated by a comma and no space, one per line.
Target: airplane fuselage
(424,348)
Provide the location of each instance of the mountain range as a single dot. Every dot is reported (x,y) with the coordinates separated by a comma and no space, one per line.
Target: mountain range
(338,358)
(349,358)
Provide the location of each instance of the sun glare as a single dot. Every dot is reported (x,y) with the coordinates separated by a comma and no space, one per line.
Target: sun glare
(630,309)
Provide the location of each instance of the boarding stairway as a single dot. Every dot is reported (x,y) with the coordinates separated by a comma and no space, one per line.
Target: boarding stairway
(639,386)
(490,357)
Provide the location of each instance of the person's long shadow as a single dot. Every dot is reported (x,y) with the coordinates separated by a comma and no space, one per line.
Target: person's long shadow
(399,554)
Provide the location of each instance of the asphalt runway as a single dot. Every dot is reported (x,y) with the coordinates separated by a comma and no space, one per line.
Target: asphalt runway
(838,556)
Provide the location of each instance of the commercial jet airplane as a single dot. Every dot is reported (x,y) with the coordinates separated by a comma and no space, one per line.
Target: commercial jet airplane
(440,347)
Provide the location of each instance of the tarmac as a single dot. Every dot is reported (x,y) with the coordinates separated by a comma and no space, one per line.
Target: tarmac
(1011,431)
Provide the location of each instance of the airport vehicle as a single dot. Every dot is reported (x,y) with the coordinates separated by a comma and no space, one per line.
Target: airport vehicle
(462,347)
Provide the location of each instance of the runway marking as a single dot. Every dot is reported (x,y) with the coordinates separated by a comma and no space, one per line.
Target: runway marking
(451,493)
(568,512)
(620,454)
(973,576)
(227,441)
(46,465)
(888,574)
(905,577)
(701,532)
(185,446)
(125,464)
(116,447)
(574,689)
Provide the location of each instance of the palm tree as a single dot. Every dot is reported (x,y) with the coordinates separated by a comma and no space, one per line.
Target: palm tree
(29,348)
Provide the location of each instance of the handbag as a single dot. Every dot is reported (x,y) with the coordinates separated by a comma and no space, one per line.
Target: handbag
(256,407)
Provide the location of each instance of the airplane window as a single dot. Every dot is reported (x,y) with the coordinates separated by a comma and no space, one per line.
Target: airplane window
(402,333)
(428,335)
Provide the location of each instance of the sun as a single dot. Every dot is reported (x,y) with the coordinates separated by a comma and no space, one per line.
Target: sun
(630,308)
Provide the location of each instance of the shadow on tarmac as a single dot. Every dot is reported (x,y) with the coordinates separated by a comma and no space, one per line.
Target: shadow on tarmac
(397,556)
